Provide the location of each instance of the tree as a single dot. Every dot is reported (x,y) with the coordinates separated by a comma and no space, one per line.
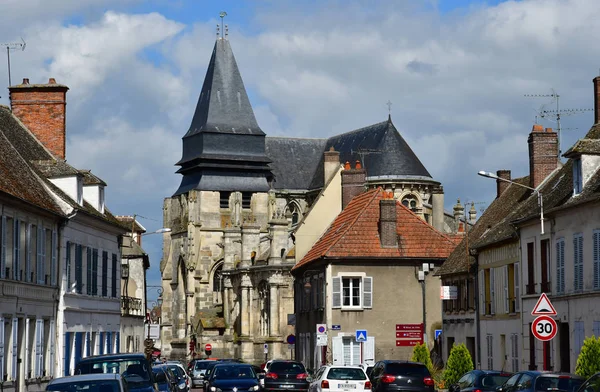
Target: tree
(421,354)
(588,361)
(459,362)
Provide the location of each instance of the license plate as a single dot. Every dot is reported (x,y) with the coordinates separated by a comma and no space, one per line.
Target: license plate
(347,386)
(287,386)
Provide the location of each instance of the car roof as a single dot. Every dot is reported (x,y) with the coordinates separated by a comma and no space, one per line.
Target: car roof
(344,366)
(113,356)
(401,361)
(86,377)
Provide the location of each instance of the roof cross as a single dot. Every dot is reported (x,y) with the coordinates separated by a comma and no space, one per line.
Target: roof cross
(389,105)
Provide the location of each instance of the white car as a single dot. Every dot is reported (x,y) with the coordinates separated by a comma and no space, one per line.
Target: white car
(101,382)
(340,379)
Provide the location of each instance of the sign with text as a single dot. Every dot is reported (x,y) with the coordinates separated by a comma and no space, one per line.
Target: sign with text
(154,331)
(408,343)
(448,292)
(409,327)
(321,340)
(415,335)
(409,335)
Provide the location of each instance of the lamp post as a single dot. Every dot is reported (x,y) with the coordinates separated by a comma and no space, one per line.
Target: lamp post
(539,194)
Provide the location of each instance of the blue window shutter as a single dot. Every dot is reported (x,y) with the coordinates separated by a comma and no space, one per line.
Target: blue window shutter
(17,251)
(109,343)
(53,260)
(105,274)
(118,342)
(78,347)
(67,353)
(88,268)
(101,343)
(28,252)
(79,268)
(39,265)
(596,328)
(114,276)
(88,344)
(3,248)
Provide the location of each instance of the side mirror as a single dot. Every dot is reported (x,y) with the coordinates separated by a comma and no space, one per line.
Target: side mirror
(454,388)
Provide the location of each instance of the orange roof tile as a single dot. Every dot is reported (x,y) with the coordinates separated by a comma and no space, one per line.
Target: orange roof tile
(355,233)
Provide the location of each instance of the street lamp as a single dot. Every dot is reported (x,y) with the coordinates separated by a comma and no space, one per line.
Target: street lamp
(539,194)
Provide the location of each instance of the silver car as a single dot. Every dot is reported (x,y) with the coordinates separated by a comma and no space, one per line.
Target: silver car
(100,382)
(198,370)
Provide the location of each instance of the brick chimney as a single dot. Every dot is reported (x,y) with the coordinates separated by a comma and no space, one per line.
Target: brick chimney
(331,163)
(543,154)
(596,99)
(502,185)
(387,221)
(353,182)
(42,108)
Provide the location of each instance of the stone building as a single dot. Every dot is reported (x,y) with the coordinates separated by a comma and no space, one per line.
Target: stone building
(237,216)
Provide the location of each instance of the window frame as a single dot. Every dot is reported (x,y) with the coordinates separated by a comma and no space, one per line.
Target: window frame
(352,275)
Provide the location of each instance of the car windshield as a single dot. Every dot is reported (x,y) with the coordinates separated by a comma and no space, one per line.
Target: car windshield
(346,374)
(406,369)
(287,368)
(494,380)
(86,386)
(201,365)
(561,383)
(233,372)
(177,370)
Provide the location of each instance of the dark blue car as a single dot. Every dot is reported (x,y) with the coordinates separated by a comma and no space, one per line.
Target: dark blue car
(134,368)
(230,377)
(480,380)
(165,379)
(538,381)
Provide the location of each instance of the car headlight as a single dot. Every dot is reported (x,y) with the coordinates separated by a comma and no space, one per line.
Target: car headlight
(254,388)
(182,386)
(215,389)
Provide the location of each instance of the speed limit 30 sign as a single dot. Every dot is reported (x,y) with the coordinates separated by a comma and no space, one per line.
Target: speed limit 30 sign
(544,328)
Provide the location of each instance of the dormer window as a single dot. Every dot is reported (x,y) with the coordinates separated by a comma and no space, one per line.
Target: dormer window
(101,199)
(80,191)
(577,176)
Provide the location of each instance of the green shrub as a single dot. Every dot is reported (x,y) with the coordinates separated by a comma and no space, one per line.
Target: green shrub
(421,354)
(588,361)
(459,362)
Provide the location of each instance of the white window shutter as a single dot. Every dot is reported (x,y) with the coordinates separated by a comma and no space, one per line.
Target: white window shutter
(492,291)
(367,292)
(596,246)
(337,350)
(17,252)
(369,353)
(53,252)
(3,249)
(336,287)
(15,336)
(39,344)
(481,292)
(517,279)
(29,350)
(506,294)
(2,347)
(39,269)
(52,349)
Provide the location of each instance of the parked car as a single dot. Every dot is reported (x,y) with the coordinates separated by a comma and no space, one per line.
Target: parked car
(286,376)
(197,371)
(391,375)
(480,380)
(135,369)
(340,378)
(164,378)
(592,384)
(183,380)
(538,381)
(208,372)
(231,376)
(88,382)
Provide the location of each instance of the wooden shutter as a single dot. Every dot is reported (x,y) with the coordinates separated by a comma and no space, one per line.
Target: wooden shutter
(53,260)
(28,253)
(506,294)
(105,274)
(67,364)
(39,347)
(88,268)
(88,344)
(3,249)
(39,265)
(517,280)
(15,336)
(336,287)
(367,292)
(337,350)
(369,353)
(596,251)
(95,272)
(52,348)
(560,266)
(492,291)
(117,342)
(481,284)
(79,268)
(578,262)
(17,250)
(114,276)
(2,347)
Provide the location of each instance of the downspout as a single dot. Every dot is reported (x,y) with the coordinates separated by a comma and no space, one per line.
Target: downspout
(477,312)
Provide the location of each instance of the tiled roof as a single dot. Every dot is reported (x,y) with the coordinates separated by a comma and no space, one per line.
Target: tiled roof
(91,179)
(355,234)
(584,146)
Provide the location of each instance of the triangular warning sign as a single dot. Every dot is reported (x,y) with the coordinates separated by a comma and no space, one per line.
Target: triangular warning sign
(543,307)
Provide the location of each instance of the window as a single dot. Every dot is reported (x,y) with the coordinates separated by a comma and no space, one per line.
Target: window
(224,199)
(545,266)
(530,268)
(514,344)
(39,348)
(507,277)
(40,260)
(246,199)
(218,279)
(114,276)
(89,269)
(577,177)
(487,292)
(596,328)
(578,262)
(17,250)
(79,269)
(352,292)
(560,265)
(104,273)
(410,202)
(596,251)
(490,351)
(471,294)
(351,352)
(28,252)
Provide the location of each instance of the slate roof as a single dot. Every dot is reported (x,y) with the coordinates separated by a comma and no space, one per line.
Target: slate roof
(91,179)
(355,234)
(584,146)
(223,105)
(294,161)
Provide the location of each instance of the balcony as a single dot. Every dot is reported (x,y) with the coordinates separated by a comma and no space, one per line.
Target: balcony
(132,307)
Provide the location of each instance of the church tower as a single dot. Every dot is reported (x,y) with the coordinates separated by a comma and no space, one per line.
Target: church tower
(224,148)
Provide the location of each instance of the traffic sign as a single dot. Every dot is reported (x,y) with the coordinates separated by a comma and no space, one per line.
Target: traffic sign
(321,340)
(266,346)
(291,339)
(409,327)
(438,332)
(336,327)
(407,343)
(543,307)
(208,347)
(416,335)
(321,329)
(361,335)
(544,328)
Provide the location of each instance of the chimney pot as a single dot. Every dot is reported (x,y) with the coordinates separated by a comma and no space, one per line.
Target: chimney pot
(25,80)
(549,130)
(358,166)
(347,166)
(51,81)
(537,128)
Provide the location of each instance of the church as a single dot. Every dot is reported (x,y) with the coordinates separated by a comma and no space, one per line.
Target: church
(241,203)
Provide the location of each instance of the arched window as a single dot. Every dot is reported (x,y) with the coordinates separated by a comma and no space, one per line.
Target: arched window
(293,213)
(410,202)
(265,307)
(218,279)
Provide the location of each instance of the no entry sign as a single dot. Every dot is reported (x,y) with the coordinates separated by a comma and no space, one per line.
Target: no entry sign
(544,328)
(208,347)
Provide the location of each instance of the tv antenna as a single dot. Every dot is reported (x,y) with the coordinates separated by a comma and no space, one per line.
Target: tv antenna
(222,15)
(362,152)
(557,113)
(12,46)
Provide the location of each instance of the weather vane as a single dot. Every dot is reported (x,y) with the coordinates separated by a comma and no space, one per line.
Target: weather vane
(222,14)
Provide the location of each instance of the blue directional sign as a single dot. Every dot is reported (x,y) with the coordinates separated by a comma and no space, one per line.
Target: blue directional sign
(438,332)
(361,335)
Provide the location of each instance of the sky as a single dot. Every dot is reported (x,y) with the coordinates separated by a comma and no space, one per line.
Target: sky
(457,72)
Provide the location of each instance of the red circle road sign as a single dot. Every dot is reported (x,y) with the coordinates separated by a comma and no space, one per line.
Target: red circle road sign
(544,328)
(208,347)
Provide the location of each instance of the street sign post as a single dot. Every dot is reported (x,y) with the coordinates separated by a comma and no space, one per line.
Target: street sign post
(408,334)
(321,329)
(361,335)
(544,328)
